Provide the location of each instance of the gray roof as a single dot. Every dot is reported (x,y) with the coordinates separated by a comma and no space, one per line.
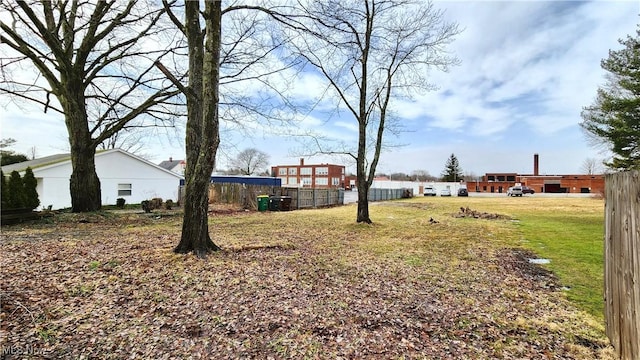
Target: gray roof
(35,163)
(169,164)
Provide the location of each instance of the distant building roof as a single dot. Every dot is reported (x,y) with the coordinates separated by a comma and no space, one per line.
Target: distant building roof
(61,158)
(170,164)
(35,163)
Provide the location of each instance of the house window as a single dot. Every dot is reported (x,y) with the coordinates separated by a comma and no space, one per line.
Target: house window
(305,171)
(335,181)
(283,180)
(491,178)
(511,178)
(293,171)
(292,181)
(322,181)
(282,171)
(322,171)
(500,177)
(306,181)
(124,189)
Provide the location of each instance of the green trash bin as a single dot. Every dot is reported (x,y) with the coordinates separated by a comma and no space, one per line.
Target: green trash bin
(263,202)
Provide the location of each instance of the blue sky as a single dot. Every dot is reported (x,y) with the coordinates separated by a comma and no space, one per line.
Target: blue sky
(527,69)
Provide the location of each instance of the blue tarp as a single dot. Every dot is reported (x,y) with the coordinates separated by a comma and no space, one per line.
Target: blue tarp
(247,180)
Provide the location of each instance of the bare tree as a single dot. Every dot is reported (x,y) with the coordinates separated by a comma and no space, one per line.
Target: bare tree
(371,52)
(93,63)
(250,161)
(203,124)
(237,64)
(591,166)
(423,175)
(131,140)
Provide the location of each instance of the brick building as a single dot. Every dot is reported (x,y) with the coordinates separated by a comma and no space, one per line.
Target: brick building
(317,176)
(500,182)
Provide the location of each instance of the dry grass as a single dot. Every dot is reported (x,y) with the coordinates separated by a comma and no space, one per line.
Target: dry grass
(418,283)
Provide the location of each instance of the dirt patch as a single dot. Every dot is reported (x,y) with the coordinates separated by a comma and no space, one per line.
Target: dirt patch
(517,262)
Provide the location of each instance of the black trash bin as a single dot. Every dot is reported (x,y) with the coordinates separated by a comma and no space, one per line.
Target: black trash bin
(280,203)
(285,203)
(274,203)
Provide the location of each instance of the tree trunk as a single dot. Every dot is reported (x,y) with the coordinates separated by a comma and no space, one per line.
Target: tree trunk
(203,137)
(195,227)
(84,185)
(363,202)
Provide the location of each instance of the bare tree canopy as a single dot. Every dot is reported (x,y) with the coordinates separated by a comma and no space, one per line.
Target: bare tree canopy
(371,52)
(93,63)
(591,166)
(250,161)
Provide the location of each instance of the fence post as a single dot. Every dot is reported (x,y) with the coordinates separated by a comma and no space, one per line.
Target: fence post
(622,263)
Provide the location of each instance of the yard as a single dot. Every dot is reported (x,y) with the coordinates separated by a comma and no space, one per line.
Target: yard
(421,282)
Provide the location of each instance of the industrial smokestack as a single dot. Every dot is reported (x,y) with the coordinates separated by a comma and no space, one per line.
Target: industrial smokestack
(536,163)
(301,161)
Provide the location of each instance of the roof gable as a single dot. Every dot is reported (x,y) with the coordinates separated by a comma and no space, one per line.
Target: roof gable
(52,161)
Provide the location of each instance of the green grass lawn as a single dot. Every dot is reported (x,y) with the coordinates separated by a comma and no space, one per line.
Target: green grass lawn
(568,231)
(574,243)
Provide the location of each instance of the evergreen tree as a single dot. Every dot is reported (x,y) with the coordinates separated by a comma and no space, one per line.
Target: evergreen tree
(614,118)
(15,188)
(452,171)
(4,189)
(30,183)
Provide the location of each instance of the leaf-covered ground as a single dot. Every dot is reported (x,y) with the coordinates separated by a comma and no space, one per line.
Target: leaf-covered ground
(303,284)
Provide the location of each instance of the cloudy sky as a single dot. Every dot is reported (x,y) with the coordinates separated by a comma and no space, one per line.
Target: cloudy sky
(527,69)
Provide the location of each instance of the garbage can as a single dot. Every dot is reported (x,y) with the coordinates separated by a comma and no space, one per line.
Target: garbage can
(285,203)
(274,203)
(280,203)
(263,202)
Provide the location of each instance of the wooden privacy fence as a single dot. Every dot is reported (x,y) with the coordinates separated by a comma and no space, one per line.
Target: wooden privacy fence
(622,263)
(232,193)
(247,195)
(301,198)
(305,198)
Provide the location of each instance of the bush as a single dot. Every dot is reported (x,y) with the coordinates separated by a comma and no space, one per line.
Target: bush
(5,191)
(15,189)
(20,192)
(30,183)
(146,206)
(156,203)
(120,203)
(168,204)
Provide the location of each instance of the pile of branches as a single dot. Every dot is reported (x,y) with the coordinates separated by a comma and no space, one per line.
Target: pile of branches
(468,213)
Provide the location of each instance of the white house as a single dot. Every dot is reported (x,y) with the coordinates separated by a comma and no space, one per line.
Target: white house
(121,174)
(177,166)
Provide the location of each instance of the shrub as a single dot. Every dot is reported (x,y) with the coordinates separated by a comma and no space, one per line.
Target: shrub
(15,188)
(5,190)
(120,203)
(156,203)
(146,206)
(168,204)
(30,183)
